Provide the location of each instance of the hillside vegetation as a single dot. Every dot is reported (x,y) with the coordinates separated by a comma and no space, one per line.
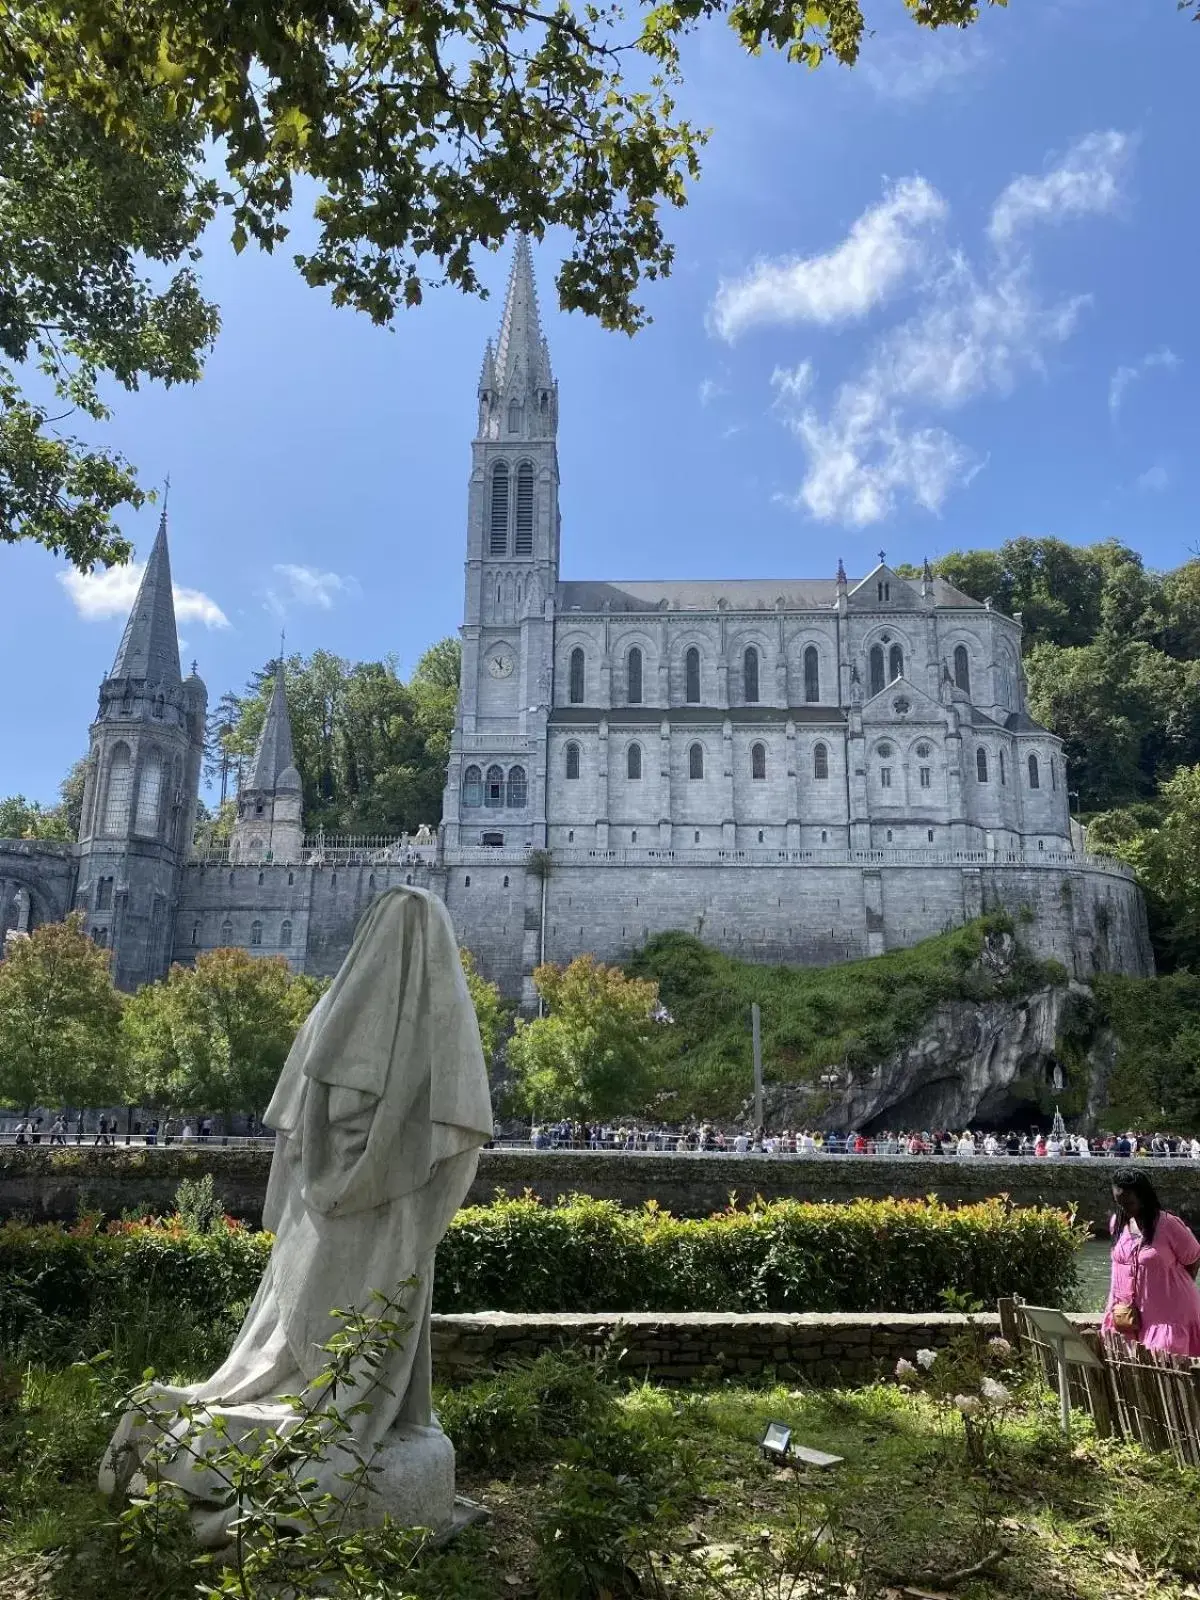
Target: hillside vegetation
(813,1018)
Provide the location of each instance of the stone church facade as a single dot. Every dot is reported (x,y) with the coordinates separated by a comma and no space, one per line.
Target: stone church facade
(797,771)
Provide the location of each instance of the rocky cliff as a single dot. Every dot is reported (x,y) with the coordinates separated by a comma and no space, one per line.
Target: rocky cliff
(991,1063)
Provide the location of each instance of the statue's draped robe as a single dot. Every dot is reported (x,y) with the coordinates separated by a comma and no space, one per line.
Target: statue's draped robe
(379,1112)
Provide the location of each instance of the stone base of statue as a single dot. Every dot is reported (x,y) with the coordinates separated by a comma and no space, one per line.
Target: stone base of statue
(412,1482)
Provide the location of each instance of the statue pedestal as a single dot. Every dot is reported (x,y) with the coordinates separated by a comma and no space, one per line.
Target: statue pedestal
(413,1482)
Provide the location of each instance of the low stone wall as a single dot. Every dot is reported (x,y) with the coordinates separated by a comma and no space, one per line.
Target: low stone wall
(53,1185)
(809,1347)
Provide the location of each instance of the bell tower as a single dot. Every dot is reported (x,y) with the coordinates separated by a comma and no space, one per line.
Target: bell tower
(496,777)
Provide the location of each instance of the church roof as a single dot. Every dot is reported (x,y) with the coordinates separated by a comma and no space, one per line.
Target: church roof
(522,356)
(273,757)
(738,594)
(1022,722)
(149,647)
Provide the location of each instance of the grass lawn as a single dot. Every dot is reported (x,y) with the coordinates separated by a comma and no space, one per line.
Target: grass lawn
(599,1489)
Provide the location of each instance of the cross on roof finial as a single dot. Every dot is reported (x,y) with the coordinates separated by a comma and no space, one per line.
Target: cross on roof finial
(882,557)
(282,637)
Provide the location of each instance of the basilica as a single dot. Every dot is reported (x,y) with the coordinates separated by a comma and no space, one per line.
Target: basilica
(797,770)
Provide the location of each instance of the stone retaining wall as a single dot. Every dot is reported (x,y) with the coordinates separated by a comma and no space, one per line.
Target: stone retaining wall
(811,1347)
(52,1185)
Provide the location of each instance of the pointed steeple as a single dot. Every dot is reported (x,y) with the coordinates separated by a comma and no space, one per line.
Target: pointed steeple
(273,756)
(149,647)
(522,360)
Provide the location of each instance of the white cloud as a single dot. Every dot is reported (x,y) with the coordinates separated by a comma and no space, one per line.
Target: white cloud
(978,336)
(1086,182)
(306,586)
(98,596)
(1124,376)
(1155,479)
(910,69)
(982,326)
(884,246)
(710,390)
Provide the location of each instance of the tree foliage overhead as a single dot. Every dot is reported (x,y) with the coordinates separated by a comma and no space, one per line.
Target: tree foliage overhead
(30,819)
(371,749)
(432,128)
(83,214)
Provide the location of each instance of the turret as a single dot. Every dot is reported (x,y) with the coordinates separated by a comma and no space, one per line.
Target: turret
(139,804)
(270,824)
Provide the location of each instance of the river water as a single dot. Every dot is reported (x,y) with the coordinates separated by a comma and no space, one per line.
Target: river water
(1093,1275)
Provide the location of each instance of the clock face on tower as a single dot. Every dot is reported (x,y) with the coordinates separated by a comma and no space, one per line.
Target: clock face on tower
(500,663)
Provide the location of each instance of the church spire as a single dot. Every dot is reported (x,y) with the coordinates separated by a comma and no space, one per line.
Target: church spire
(273,755)
(149,647)
(522,358)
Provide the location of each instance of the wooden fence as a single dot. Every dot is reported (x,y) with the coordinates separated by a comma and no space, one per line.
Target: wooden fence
(1135,1393)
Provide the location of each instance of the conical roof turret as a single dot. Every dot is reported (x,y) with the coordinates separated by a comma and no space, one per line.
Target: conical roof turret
(149,647)
(274,765)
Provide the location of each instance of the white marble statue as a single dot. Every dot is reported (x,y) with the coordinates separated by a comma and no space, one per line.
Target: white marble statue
(380,1111)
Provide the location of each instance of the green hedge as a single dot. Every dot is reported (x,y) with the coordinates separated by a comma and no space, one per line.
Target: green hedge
(124,1285)
(896,1255)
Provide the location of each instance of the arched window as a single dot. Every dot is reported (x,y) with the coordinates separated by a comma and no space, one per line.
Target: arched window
(498,517)
(633,677)
(758,761)
(876,661)
(575,684)
(962,668)
(572,761)
(195,933)
(1035,777)
(472,787)
(1003,773)
(227,932)
(696,761)
(523,544)
(812,674)
(149,793)
(516,789)
(981,764)
(750,675)
(120,790)
(514,416)
(895,663)
(820,762)
(493,787)
(285,932)
(633,762)
(691,676)
(255,933)
(104,894)
(100,938)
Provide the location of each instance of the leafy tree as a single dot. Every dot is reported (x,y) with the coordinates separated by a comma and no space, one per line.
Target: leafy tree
(60,1020)
(85,209)
(428,129)
(490,1011)
(70,792)
(371,749)
(217,1034)
(28,819)
(590,1056)
(1163,844)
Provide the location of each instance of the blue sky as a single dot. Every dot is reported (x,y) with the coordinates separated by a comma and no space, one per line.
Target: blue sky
(933,303)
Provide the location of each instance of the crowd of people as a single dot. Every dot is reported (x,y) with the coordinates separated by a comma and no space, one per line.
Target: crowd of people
(710,1138)
(110,1129)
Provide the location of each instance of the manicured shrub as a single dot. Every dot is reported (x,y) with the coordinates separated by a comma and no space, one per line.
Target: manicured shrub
(591,1255)
(129,1285)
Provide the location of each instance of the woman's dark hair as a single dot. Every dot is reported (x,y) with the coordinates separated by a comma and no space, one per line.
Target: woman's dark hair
(1129,1180)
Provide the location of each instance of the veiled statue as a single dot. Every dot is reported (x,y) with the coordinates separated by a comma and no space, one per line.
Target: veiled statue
(379,1115)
